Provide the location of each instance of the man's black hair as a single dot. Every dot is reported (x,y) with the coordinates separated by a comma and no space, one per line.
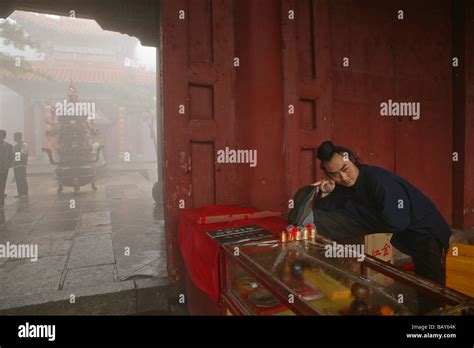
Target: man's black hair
(327,150)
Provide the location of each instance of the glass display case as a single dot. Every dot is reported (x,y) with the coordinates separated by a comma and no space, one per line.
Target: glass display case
(301,278)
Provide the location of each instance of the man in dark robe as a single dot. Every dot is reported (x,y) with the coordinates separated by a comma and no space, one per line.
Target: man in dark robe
(361,199)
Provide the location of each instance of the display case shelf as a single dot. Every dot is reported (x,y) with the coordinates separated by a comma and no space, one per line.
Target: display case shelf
(298,278)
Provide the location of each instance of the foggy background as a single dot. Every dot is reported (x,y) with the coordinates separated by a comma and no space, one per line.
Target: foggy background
(107,68)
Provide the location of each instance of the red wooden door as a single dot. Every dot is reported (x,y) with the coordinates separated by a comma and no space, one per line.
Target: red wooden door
(424,147)
(307,88)
(198,109)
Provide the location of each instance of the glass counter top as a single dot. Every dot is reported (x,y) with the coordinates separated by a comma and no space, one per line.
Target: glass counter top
(328,285)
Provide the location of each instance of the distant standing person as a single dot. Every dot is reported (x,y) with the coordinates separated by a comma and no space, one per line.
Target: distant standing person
(20,161)
(6,156)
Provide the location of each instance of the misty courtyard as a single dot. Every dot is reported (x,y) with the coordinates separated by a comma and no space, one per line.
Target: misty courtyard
(89,244)
(89,236)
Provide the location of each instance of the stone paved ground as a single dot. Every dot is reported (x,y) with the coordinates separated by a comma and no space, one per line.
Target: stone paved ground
(81,248)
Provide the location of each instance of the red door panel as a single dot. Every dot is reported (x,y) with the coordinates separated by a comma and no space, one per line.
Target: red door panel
(424,147)
(307,88)
(198,110)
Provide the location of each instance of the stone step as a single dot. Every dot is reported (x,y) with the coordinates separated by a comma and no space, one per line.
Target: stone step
(118,298)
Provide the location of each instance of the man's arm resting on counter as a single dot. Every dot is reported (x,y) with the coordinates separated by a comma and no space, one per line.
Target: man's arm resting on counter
(331,201)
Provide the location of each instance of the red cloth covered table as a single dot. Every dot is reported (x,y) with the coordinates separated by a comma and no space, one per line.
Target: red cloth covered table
(200,252)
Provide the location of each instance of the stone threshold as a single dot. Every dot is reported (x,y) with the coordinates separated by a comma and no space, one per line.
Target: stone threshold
(119,298)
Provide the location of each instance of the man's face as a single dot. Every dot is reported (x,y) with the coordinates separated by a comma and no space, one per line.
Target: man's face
(341,169)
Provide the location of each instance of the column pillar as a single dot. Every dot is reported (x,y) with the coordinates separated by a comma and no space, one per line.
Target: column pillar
(121,134)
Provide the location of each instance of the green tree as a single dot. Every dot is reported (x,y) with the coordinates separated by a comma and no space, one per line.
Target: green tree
(12,34)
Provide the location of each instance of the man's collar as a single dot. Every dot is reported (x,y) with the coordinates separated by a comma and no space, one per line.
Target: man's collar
(360,178)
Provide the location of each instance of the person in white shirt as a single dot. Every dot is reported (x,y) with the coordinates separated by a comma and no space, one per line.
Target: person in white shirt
(20,161)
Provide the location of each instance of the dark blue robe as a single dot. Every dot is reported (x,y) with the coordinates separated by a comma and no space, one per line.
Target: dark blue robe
(381,201)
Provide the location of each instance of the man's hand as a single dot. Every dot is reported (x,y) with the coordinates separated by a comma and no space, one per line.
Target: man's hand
(325,186)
